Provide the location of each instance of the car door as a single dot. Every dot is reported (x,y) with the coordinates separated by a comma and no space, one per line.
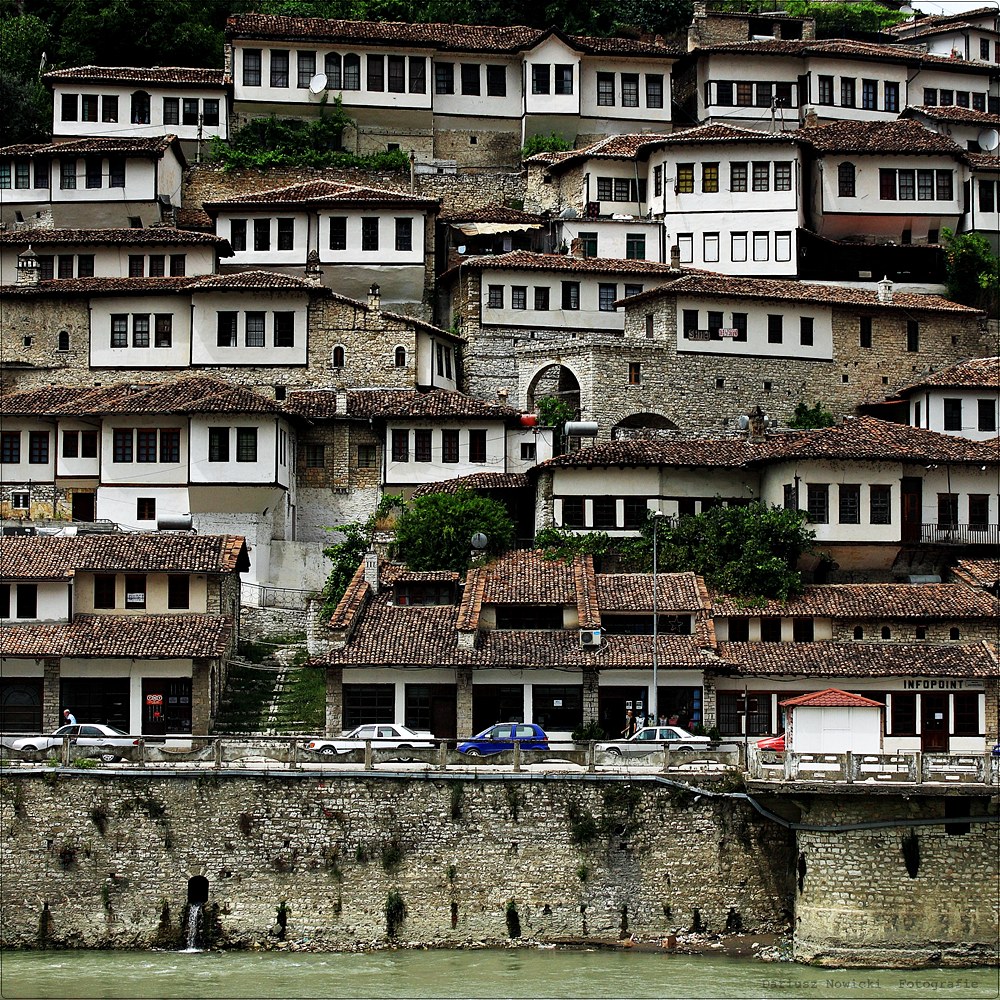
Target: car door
(500,738)
(55,740)
(641,743)
(526,737)
(91,736)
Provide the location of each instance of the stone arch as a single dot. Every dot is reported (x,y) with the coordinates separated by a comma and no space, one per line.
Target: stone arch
(553,378)
(399,356)
(642,424)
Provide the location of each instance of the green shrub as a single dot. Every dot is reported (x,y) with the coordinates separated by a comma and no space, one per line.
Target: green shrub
(550,143)
(395,912)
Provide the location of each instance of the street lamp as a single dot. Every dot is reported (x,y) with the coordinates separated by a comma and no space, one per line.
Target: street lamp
(654,707)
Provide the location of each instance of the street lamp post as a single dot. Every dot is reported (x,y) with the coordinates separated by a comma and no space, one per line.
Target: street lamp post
(654,707)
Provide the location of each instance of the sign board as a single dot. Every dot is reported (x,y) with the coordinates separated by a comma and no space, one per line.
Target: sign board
(154,699)
(729,332)
(135,598)
(942,684)
(698,334)
(557,702)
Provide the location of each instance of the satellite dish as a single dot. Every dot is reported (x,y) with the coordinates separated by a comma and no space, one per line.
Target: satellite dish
(742,422)
(317,85)
(569,212)
(989,139)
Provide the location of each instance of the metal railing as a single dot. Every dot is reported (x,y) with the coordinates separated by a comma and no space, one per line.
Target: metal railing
(960,534)
(259,595)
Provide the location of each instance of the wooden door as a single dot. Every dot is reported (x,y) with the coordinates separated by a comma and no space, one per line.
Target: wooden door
(933,722)
(911,492)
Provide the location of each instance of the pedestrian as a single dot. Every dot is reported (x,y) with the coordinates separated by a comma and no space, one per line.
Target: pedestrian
(663,719)
(629,731)
(68,717)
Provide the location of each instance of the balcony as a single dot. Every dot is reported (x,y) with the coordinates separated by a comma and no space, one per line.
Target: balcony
(976,533)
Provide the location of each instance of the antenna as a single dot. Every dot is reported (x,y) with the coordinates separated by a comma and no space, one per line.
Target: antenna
(989,139)
(317,85)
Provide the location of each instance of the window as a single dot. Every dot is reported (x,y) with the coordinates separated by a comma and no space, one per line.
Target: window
(170,445)
(952,414)
(806,331)
(63,341)
(740,326)
(246,444)
(630,90)
(286,234)
(978,102)
(470,79)
(140,330)
(803,630)
(738,176)
(762,176)
(947,506)
(930,96)
(635,246)
(783,246)
(477,446)
(22,174)
(723,94)
(238,234)
(444,78)
(890,96)
(564,79)
(846,92)
(869,95)
(495,297)
(255,323)
(338,233)
(903,714)
(284,329)
(571,295)
(449,446)
(496,81)
(987,415)
(527,451)
(66,265)
(519,297)
(824,94)
(979,511)
(262,234)
(774,329)
(783,175)
(850,503)
(210,111)
(709,178)
(140,108)
(104,591)
(658,180)
(93,172)
(710,248)
(145,445)
(251,67)
(912,336)
(404,235)
(145,508)
(119,330)
(352,71)
(541,78)
(654,90)
(588,244)
(190,111)
(226,329)
(634,373)
(945,186)
(164,330)
(43,168)
(400,446)
(738,247)
(369,234)
(623,189)
(38,447)
(218,444)
(135,591)
(818,502)
(685,247)
(906,188)
(178,592)
(864,331)
(954,633)
(605,187)
(770,630)
(366,456)
(338,357)
(279,68)
(987,196)
(606,297)
(744,94)
(121,445)
(69,107)
(541,299)
(67,175)
(962,98)
(880,504)
(685,178)
(605,90)
(631,290)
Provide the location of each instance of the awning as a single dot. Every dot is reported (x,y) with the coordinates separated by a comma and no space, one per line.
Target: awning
(489,228)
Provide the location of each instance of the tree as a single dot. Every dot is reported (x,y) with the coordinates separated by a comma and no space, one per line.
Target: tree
(808,417)
(435,531)
(973,270)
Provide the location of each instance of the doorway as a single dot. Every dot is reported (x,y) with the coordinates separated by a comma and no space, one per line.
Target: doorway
(434,708)
(613,703)
(933,722)
(911,493)
(83,508)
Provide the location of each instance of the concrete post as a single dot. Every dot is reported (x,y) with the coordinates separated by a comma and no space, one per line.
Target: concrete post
(334,701)
(51,709)
(517,757)
(368,756)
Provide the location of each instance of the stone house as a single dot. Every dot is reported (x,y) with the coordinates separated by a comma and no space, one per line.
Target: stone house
(91,182)
(710,348)
(129,629)
(108,253)
(139,101)
(359,235)
(873,490)
(471,94)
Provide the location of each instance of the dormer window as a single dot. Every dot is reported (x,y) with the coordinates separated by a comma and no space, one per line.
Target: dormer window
(424,593)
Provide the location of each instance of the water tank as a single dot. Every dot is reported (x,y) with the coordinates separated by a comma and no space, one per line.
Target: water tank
(174,522)
(580,428)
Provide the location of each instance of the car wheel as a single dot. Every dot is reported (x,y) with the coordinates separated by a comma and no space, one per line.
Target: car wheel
(472,752)
(614,751)
(328,751)
(29,749)
(109,758)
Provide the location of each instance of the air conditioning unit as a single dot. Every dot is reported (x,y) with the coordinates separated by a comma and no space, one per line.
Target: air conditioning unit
(590,637)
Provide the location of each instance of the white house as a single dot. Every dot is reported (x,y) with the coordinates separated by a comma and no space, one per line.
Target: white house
(359,235)
(960,400)
(965,35)
(135,101)
(91,183)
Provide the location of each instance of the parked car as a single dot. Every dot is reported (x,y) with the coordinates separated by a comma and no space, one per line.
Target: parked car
(776,743)
(387,736)
(503,736)
(651,738)
(90,734)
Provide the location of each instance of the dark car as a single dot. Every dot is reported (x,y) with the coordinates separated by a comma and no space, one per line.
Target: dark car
(503,736)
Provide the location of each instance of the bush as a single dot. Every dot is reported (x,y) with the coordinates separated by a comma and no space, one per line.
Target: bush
(550,143)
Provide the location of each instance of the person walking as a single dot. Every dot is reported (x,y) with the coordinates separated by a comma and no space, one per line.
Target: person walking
(69,718)
(629,731)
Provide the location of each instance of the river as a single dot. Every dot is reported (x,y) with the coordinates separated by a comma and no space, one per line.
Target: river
(494,974)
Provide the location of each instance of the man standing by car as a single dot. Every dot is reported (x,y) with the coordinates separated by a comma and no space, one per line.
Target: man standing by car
(629,731)
(68,717)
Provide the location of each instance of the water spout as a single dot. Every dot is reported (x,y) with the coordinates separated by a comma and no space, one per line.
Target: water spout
(193,928)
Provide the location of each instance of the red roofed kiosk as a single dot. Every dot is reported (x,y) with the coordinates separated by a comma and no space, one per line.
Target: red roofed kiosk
(833,721)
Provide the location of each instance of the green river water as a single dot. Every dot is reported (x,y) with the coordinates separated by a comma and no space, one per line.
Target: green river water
(495,974)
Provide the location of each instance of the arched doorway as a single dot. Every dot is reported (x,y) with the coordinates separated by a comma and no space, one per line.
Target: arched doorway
(554,391)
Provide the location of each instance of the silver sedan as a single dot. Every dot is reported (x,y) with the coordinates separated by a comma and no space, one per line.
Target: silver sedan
(86,735)
(384,736)
(652,738)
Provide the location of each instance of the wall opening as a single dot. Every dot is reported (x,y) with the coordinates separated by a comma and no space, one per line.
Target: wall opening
(197,889)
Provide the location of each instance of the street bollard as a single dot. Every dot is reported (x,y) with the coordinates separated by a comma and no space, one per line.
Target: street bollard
(368,756)
(517,757)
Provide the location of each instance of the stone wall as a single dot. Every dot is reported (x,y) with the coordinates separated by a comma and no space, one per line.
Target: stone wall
(106,861)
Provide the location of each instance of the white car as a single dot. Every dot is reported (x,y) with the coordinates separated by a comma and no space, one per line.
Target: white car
(384,736)
(652,738)
(89,734)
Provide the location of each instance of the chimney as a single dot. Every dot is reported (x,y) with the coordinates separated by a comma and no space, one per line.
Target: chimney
(374,299)
(27,268)
(675,257)
(757,425)
(314,275)
(809,118)
(576,247)
(884,291)
(371,570)
(340,402)
(502,395)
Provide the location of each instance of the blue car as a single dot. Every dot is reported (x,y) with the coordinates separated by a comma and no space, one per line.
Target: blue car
(503,737)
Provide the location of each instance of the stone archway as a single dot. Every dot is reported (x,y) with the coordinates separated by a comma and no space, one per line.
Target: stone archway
(557,381)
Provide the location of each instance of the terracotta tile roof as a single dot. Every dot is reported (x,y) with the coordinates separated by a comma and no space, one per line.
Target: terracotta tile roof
(808,660)
(976,373)
(834,47)
(386,634)
(448,37)
(527,577)
(954,113)
(200,394)
(322,193)
(871,600)
(830,698)
(426,576)
(163,75)
(487,481)
(154,235)
(54,558)
(353,600)
(978,572)
(151,146)
(492,213)
(903,136)
(86,287)
(472,600)
(435,404)
(145,637)
(194,218)
(704,452)
(633,592)
(778,289)
(240,281)
(984,162)
(525,260)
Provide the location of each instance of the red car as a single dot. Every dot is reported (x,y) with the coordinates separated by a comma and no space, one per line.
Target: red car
(772,743)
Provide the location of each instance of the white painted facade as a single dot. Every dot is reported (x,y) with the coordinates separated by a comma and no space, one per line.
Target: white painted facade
(267,330)
(438,451)
(51,602)
(835,729)
(616,238)
(132,331)
(961,412)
